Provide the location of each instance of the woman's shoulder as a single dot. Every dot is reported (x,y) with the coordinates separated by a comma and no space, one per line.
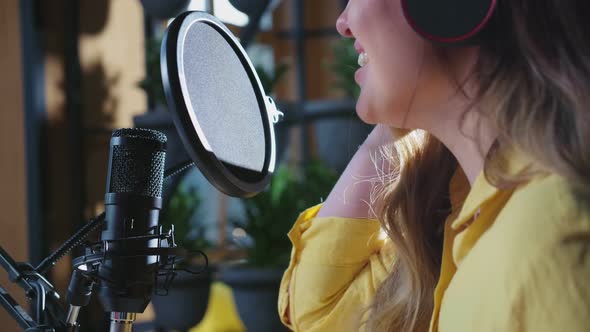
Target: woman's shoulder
(552,232)
(530,267)
(543,223)
(540,222)
(548,208)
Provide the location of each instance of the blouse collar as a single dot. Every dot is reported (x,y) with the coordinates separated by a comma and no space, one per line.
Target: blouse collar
(468,200)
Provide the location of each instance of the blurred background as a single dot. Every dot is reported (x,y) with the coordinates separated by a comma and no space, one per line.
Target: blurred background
(74,70)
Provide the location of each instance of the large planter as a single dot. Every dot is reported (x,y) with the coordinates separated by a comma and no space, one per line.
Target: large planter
(250,7)
(255,292)
(337,130)
(338,139)
(186,302)
(164,9)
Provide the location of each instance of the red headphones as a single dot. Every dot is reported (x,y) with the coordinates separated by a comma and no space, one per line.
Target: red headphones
(449,22)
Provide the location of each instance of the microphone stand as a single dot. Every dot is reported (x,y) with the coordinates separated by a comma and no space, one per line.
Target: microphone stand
(122,321)
(46,309)
(48,313)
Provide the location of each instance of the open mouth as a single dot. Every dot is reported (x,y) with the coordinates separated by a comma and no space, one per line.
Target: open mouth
(363,56)
(363,59)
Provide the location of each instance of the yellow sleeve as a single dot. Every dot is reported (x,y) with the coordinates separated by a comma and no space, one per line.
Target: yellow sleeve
(336,266)
(556,294)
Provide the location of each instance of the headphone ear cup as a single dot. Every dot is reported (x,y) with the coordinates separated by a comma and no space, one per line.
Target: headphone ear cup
(449,22)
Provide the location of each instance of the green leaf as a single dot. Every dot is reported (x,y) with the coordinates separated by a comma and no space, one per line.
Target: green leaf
(344,67)
(270,215)
(182,211)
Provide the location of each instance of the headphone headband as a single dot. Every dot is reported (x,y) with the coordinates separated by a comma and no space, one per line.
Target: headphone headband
(449,22)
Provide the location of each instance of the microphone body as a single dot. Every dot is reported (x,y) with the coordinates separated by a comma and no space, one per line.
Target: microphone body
(133,201)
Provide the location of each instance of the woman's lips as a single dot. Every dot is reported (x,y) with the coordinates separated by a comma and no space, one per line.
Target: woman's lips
(358,47)
(359,75)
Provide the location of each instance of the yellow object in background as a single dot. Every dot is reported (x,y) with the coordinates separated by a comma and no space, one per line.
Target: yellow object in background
(221,314)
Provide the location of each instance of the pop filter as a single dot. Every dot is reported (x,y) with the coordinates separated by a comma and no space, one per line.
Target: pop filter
(218,105)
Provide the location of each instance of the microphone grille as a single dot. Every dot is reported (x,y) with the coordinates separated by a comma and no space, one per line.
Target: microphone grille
(140,133)
(137,164)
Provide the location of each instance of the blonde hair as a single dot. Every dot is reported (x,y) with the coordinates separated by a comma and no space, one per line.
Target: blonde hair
(533,75)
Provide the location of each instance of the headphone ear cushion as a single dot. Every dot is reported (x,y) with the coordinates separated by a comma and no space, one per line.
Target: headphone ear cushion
(449,22)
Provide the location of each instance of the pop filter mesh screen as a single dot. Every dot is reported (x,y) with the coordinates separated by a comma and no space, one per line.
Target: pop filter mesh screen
(223,99)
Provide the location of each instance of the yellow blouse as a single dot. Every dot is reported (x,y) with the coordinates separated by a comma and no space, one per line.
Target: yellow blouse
(513,260)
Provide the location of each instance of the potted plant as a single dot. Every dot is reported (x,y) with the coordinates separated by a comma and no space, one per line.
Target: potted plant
(185,301)
(344,66)
(268,218)
(152,82)
(158,117)
(347,131)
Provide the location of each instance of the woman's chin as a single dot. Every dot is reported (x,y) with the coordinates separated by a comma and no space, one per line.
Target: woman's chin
(363,109)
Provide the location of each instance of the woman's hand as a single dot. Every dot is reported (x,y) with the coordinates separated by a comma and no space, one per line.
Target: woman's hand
(351,196)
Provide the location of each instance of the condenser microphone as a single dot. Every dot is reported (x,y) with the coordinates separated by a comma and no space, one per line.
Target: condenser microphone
(133,201)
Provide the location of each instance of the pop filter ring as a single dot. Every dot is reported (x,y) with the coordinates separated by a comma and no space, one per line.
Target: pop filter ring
(220,174)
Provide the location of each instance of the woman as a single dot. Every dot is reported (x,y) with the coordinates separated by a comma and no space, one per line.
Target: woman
(484,194)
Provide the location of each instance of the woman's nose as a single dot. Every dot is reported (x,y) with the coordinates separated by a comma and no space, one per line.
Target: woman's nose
(342,25)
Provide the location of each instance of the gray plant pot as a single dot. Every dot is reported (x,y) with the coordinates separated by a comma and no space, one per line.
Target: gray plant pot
(255,292)
(338,139)
(250,7)
(186,302)
(164,9)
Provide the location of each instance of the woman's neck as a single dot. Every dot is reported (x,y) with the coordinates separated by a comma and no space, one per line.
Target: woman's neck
(469,140)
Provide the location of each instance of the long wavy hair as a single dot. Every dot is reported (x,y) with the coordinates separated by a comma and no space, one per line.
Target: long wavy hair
(533,79)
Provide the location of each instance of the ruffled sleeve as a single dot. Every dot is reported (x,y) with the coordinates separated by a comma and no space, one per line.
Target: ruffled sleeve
(336,266)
